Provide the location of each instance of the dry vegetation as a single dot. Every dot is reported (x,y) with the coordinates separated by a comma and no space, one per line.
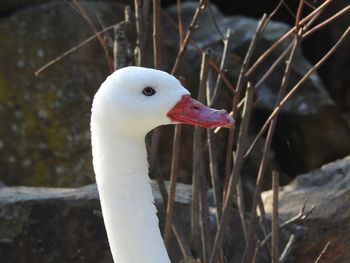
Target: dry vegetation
(208,247)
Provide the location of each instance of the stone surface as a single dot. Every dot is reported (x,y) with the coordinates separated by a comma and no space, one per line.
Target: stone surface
(51,225)
(54,225)
(9,6)
(44,121)
(58,224)
(329,189)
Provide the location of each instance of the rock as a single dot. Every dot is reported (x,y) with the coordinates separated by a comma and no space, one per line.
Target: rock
(9,6)
(49,225)
(44,121)
(58,224)
(329,189)
(309,123)
(52,225)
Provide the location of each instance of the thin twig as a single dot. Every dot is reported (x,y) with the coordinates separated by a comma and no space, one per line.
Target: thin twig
(296,88)
(173,179)
(263,221)
(324,250)
(235,174)
(201,51)
(227,42)
(282,56)
(301,216)
(288,248)
(197,163)
(239,88)
(241,208)
(213,20)
(310,5)
(74,49)
(139,32)
(185,250)
(204,211)
(75,4)
(251,233)
(275,221)
(157,52)
(327,21)
(290,11)
(179,22)
(276,9)
(301,37)
(192,27)
(284,37)
(274,65)
(213,165)
(222,75)
(298,15)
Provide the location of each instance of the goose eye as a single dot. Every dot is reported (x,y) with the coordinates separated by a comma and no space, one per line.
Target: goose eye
(148,91)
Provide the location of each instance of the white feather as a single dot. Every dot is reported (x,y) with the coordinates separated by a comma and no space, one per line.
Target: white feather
(121,117)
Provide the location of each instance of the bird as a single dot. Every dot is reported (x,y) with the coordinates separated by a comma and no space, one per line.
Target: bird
(129,104)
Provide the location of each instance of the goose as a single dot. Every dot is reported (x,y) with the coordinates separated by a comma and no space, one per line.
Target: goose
(131,102)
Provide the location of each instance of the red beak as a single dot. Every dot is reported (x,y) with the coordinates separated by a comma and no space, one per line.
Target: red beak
(190,111)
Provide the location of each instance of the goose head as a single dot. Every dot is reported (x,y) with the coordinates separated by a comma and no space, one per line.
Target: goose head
(135,100)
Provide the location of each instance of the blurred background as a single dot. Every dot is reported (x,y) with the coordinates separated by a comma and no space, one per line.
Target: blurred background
(44,118)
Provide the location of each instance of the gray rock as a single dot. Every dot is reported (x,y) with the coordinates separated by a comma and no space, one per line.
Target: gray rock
(58,224)
(65,225)
(54,225)
(51,225)
(329,189)
(44,121)
(10,6)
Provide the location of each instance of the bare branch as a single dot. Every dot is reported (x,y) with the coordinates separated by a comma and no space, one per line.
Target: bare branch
(296,87)
(301,216)
(139,32)
(250,248)
(275,223)
(156,35)
(324,250)
(288,248)
(213,20)
(237,96)
(227,41)
(235,173)
(81,11)
(192,27)
(179,22)
(173,179)
(73,49)
(285,36)
(198,163)
(327,21)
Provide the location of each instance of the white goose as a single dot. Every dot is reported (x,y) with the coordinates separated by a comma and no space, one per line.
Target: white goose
(131,102)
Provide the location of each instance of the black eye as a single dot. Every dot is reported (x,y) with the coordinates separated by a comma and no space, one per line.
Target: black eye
(148,91)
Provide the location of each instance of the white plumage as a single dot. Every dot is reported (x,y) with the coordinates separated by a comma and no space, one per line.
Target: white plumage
(121,117)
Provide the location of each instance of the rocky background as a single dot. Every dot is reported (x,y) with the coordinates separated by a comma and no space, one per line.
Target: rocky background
(44,128)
